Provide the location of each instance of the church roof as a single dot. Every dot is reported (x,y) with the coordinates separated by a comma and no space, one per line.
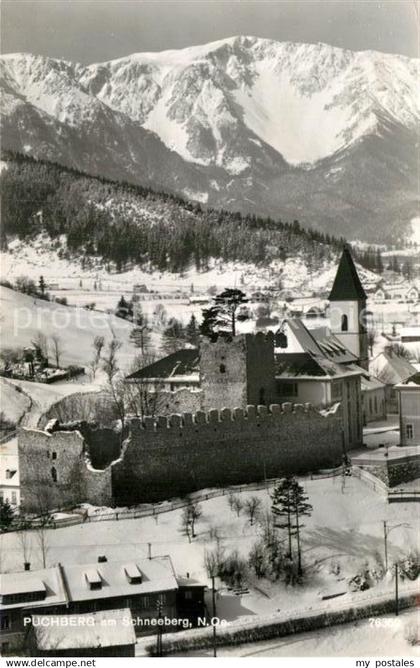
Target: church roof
(347,285)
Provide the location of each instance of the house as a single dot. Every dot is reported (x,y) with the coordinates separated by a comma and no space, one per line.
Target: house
(23,593)
(9,472)
(409,410)
(401,291)
(374,399)
(314,366)
(170,373)
(391,370)
(105,633)
(147,587)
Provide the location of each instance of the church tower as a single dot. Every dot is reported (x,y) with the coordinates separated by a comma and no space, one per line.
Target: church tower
(348,309)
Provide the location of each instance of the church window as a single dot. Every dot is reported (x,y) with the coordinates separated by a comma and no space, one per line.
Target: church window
(281,340)
(344,323)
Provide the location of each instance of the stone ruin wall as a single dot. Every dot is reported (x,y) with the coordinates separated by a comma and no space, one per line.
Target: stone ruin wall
(168,457)
(76,480)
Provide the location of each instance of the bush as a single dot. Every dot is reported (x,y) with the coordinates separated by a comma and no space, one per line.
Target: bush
(61,300)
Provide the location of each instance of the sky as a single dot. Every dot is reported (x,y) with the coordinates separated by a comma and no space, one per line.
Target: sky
(90,31)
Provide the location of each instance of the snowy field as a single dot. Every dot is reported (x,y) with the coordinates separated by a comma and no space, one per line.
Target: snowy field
(336,545)
(23,317)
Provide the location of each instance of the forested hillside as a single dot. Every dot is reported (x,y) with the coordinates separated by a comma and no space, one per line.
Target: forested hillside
(124,223)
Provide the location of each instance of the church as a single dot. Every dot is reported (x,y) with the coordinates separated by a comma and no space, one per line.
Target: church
(322,366)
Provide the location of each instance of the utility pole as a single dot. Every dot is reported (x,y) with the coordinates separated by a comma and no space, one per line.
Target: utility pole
(159,629)
(213,590)
(386,545)
(149,550)
(396,590)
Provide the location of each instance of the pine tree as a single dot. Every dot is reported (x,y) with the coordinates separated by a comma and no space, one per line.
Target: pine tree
(42,285)
(282,508)
(301,508)
(6,514)
(228,303)
(191,331)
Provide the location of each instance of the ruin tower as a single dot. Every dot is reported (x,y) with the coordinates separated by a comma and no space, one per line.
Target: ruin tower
(348,309)
(237,371)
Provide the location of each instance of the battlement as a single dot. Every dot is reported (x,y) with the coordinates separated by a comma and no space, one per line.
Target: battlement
(225,417)
(249,339)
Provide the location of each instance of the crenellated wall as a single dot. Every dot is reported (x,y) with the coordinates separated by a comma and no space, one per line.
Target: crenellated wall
(165,457)
(170,456)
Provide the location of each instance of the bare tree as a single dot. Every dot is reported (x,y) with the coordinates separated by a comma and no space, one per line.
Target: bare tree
(190,515)
(41,537)
(97,345)
(372,337)
(186,523)
(115,384)
(213,560)
(252,507)
(57,348)
(25,542)
(237,504)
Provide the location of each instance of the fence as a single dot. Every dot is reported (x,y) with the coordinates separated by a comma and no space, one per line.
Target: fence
(374,483)
(392,495)
(287,622)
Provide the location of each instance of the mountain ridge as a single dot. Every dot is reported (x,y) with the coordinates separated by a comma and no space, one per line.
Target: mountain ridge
(243,123)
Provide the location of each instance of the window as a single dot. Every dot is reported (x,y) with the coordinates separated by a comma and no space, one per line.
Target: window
(14,499)
(409,431)
(5,623)
(145,602)
(344,323)
(336,390)
(8,474)
(54,473)
(188,595)
(54,455)
(222,368)
(1,495)
(288,389)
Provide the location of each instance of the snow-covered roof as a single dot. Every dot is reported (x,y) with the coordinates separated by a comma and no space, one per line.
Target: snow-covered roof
(48,580)
(371,383)
(108,628)
(157,575)
(183,363)
(413,331)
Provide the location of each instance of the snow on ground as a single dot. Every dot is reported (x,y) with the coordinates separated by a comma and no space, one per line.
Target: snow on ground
(335,545)
(23,317)
(14,404)
(380,636)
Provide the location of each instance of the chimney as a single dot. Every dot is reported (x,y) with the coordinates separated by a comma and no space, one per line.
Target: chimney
(102,559)
(27,566)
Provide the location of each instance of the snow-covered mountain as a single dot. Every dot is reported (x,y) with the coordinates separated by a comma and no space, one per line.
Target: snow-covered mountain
(307,131)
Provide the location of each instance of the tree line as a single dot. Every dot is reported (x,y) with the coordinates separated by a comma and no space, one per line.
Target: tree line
(127,224)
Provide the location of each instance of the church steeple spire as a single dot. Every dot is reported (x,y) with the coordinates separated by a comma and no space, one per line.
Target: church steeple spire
(347,285)
(348,308)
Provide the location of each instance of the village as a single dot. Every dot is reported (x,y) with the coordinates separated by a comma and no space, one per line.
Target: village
(175,473)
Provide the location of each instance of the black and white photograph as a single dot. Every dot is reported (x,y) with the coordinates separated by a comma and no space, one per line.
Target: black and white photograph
(210,332)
